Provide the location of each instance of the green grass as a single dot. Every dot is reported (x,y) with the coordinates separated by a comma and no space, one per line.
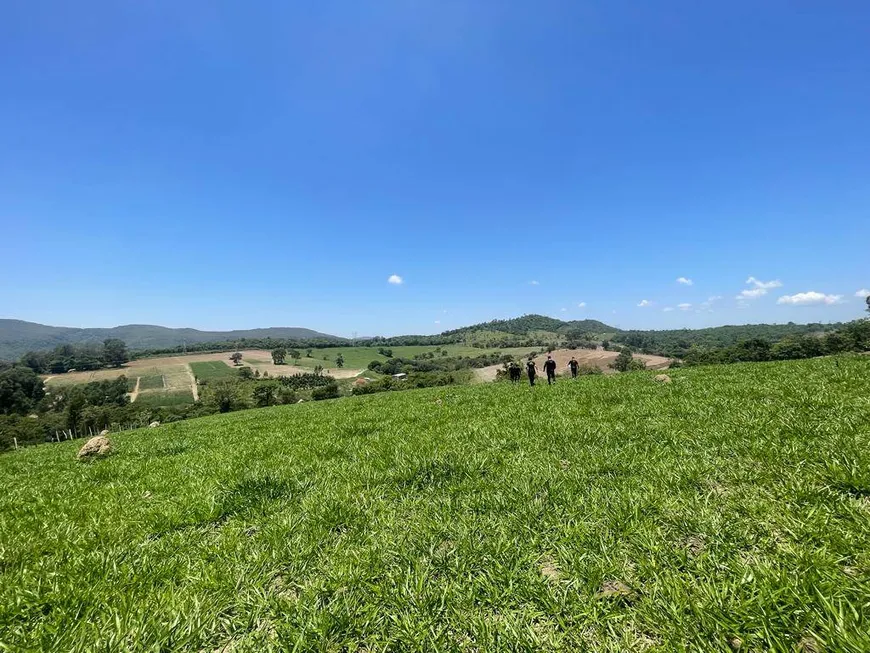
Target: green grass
(151,382)
(359,357)
(209,370)
(165,398)
(603,514)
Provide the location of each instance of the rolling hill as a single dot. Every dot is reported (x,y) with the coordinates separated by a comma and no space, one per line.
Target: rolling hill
(724,511)
(18,336)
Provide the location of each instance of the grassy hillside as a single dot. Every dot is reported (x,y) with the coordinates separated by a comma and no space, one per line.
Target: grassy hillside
(607,514)
(360,357)
(18,337)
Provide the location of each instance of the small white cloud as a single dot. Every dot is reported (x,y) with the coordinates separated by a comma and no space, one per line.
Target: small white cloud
(755,293)
(862,293)
(644,303)
(684,307)
(810,297)
(581,305)
(684,281)
(714,298)
(437,321)
(395,279)
(668,309)
(563,310)
(767,285)
(534,283)
(759,288)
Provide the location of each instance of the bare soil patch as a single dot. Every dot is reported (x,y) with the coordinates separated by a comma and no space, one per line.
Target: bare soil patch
(178,374)
(595,357)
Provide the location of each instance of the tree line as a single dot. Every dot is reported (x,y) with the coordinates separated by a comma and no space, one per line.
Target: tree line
(64,358)
(677,343)
(851,337)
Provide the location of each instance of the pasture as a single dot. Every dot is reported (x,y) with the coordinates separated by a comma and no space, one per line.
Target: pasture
(359,357)
(727,510)
(210,370)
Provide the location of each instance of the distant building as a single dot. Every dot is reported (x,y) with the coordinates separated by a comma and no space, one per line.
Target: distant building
(401,376)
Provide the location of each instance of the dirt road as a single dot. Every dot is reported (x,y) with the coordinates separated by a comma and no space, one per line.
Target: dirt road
(194,389)
(135,394)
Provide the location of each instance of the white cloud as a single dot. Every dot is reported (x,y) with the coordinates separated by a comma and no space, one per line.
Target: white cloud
(714,298)
(684,307)
(395,279)
(437,321)
(534,283)
(563,310)
(645,302)
(767,285)
(862,293)
(810,297)
(760,288)
(668,309)
(752,294)
(581,305)
(684,281)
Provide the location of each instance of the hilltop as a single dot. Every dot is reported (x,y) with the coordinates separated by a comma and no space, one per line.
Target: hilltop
(607,514)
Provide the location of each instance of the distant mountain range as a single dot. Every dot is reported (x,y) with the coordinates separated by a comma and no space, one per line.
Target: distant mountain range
(18,336)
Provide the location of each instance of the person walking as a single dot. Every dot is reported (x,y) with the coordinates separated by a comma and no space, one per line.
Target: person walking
(574,366)
(532,371)
(550,369)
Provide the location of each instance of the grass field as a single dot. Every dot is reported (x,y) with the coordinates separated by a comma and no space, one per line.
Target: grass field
(359,357)
(603,514)
(209,370)
(151,382)
(165,398)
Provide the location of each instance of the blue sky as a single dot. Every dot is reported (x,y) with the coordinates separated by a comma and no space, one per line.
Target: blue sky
(233,165)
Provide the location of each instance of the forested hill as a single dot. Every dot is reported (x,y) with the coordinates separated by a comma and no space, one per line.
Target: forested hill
(533,323)
(677,342)
(18,336)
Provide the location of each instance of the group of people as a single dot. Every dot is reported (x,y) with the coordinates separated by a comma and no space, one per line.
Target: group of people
(515,371)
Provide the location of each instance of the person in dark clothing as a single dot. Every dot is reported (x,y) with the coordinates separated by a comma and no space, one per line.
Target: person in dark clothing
(550,369)
(574,366)
(532,370)
(515,371)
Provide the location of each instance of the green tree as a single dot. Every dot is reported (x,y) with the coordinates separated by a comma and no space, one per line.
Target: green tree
(236,358)
(224,395)
(326,392)
(246,373)
(278,355)
(115,352)
(21,429)
(38,361)
(308,353)
(265,394)
(867,300)
(20,390)
(623,361)
(339,361)
(295,355)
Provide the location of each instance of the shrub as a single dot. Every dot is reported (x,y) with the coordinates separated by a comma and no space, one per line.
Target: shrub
(623,361)
(265,394)
(326,392)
